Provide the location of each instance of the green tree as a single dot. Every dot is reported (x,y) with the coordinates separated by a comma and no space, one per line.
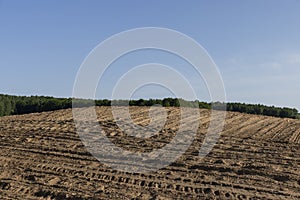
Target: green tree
(7,106)
(1,108)
(166,102)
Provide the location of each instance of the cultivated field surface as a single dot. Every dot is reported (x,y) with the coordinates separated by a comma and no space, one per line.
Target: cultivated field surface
(256,157)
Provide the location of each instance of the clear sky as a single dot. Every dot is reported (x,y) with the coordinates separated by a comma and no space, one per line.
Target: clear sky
(255,43)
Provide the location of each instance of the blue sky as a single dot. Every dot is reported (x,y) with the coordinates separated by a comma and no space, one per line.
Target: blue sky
(255,44)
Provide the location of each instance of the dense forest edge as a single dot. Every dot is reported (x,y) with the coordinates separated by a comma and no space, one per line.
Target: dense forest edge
(14,105)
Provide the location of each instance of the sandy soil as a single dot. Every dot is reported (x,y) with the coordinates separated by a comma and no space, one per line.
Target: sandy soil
(256,157)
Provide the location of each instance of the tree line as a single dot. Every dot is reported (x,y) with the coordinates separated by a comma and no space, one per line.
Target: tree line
(13,105)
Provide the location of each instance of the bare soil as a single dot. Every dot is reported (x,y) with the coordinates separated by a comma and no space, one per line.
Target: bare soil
(256,157)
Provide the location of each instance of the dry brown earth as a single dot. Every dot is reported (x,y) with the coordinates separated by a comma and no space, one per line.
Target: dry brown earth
(42,157)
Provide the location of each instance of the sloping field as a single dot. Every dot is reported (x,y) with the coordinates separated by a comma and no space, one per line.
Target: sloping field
(256,157)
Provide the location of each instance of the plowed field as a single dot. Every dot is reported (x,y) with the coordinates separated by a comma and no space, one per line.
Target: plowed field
(256,157)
